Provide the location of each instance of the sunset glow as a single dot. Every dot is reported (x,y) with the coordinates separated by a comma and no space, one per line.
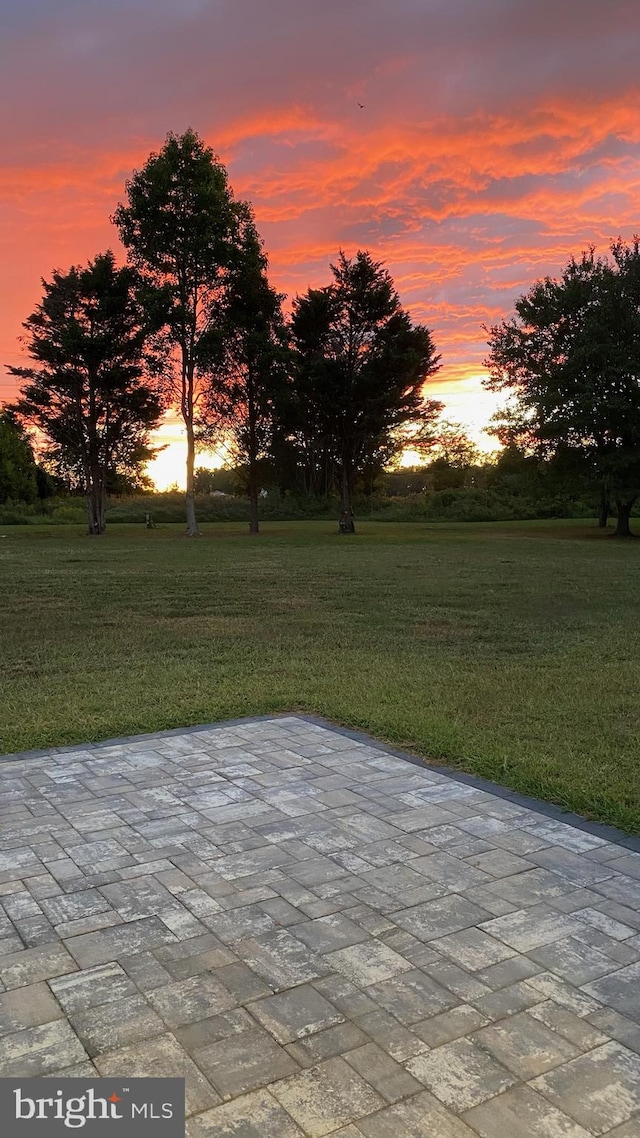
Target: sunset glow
(168,467)
(495,140)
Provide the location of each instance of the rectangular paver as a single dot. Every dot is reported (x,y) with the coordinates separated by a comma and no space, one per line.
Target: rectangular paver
(327,1097)
(243,1062)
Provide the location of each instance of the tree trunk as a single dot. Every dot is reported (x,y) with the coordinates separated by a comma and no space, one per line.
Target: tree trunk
(95,514)
(92,519)
(94,475)
(254,525)
(624,513)
(102,508)
(96,505)
(346,524)
(604,508)
(190,503)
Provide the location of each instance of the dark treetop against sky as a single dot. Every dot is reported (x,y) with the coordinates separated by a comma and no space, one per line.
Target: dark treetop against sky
(497,137)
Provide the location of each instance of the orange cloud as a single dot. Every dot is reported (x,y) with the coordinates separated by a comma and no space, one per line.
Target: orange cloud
(495,140)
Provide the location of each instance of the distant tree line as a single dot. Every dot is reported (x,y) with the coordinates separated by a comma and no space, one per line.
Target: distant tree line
(320,404)
(504,486)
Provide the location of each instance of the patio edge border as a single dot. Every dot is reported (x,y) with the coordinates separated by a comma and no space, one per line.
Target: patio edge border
(539,806)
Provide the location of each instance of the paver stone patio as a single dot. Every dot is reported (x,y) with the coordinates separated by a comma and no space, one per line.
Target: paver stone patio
(320,935)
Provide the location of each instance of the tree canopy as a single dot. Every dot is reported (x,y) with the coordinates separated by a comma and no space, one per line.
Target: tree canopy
(360,371)
(571,358)
(85,393)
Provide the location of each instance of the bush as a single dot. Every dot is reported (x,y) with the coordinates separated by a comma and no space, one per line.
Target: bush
(169,507)
(51,511)
(470,504)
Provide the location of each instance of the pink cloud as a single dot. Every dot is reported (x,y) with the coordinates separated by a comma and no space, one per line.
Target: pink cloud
(495,140)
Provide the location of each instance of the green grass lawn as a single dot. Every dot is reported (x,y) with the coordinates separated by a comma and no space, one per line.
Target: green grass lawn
(508,650)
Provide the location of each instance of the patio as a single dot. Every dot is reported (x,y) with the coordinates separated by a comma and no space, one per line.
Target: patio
(320,936)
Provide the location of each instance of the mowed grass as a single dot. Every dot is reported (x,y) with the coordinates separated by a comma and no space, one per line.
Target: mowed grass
(507,650)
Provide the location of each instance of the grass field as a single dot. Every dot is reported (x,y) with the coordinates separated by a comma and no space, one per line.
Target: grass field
(508,650)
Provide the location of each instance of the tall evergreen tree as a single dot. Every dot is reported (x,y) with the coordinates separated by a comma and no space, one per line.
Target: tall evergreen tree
(248,363)
(180,229)
(361,370)
(85,392)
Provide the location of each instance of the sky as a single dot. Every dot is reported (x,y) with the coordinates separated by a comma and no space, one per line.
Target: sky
(496,139)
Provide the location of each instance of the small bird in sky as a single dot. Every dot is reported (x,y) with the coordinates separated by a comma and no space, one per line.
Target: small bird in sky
(361,105)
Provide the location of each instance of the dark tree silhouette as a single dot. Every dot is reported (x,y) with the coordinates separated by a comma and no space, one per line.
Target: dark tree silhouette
(18,470)
(361,369)
(248,362)
(180,229)
(85,393)
(571,358)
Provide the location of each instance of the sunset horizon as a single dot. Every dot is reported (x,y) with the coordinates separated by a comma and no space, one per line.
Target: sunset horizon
(472,153)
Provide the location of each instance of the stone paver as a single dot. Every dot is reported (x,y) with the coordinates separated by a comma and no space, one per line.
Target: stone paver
(161,1057)
(327,1097)
(320,937)
(295,1013)
(525,1046)
(599,1089)
(243,1062)
(256,1115)
(113,1025)
(37,1050)
(461,1074)
(521,1113)
(421,1116)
